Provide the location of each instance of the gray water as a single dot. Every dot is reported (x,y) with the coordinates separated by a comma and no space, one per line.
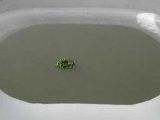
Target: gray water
(114,65)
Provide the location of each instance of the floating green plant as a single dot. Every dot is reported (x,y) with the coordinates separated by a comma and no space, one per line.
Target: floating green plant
(65,63)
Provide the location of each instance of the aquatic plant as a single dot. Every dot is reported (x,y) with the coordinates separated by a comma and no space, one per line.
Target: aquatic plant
(65,63)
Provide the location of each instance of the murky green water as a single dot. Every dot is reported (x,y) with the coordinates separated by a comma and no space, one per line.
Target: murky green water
(114,64)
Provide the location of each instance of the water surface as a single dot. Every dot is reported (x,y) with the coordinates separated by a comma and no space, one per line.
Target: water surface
(114,65)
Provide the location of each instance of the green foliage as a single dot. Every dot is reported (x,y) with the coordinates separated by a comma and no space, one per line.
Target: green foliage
(65,64)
